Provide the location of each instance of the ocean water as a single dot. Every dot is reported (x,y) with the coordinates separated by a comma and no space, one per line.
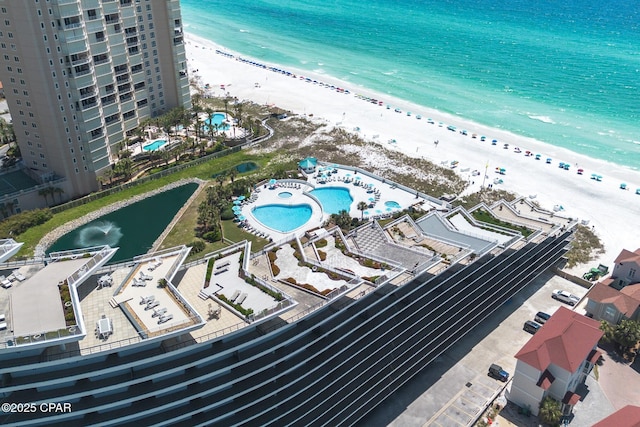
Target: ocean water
(567,73)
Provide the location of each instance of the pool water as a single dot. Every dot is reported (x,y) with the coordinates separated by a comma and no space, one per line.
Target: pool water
(155,145)
(283,218)
(333,199)
(216,119)
(392,204)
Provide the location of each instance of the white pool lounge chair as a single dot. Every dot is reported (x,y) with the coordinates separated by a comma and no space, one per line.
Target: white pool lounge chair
(159,312)
(241,299)
(165,318)
(235,295)
(152,304)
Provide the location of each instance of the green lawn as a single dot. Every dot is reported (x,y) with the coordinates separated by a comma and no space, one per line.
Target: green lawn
(231,231)
(32,236)
(484,216)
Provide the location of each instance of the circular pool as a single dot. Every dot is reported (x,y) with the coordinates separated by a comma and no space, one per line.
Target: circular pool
(392,204)
(285,195)
(283,218)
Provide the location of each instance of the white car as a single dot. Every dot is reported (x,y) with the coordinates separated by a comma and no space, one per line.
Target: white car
(565,297)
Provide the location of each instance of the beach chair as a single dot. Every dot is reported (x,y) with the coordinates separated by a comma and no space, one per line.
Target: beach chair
(165,318)
(159,312)
(235,295)
(146,300)
(152,304)
(241,298)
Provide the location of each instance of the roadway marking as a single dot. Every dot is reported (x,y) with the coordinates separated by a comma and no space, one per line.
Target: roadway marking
(453,407)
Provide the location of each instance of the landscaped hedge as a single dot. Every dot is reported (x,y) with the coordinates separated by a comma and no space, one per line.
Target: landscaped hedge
(245,311)
(209,270)
(322,255)
(321,243)
(272,260)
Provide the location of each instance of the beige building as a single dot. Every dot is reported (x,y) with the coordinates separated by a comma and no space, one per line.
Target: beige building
(80,75)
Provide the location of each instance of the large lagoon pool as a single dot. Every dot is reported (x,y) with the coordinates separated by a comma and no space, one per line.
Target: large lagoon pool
(333,199)
(283,218)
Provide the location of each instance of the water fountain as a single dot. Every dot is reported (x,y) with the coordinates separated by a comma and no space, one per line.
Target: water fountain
(100,233)
(141,222)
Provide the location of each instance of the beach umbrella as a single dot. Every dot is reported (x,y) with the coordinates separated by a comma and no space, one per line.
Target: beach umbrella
(272,181)
(241,218)
(241,198)
(594,176)
(236,202)
(378,211)
(389,209)
(372,199)
(366,213)
(348,175)
(357,178)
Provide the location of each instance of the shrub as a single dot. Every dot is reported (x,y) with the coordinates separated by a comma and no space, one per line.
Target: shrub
(18,224)
(322,255)
(197,246)
(212,236)
(226,214)
(209,270)
(321,243)
(275,269)
(291,280)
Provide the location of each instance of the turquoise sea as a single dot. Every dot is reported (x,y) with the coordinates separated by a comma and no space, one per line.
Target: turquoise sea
(564,72)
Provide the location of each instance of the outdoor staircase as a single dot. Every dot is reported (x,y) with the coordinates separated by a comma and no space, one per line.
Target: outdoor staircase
(203,296)
(113,303)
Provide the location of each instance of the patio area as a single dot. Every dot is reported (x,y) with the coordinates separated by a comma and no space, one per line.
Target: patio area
(382,197)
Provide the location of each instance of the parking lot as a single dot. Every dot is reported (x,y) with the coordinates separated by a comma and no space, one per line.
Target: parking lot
(455,388)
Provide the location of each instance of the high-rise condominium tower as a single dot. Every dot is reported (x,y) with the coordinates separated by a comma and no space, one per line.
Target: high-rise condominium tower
(80,75)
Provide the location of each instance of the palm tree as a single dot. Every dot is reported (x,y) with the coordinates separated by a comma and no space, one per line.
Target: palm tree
(58,191)
(226,106)
(238,111)
(197,109)
(550,412)
(361,207)
(220,178)
(44,192)
(232,174)
(210,112)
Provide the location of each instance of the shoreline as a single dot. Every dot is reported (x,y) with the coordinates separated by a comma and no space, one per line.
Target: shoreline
(602,204)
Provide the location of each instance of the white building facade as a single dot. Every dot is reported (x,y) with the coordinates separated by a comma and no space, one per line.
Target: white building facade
(80,75)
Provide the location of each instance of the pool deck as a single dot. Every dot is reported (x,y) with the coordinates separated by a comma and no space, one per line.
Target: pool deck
(357,184)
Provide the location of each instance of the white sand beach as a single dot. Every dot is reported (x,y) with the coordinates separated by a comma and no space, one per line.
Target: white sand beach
(611,211)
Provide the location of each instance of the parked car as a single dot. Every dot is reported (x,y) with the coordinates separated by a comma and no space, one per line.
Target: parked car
(565,297)
(498,373)
(541,317)
(531,326)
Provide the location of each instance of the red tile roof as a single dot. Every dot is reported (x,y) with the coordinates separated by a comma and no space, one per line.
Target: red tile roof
(629,416)
(594,356)
(546,379)
(627,256)
(571,398)
(565,340)
(626,301)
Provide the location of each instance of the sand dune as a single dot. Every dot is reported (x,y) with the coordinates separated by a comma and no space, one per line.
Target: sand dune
(611,211)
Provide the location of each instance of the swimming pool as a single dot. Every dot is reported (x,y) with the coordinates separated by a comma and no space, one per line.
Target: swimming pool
(216,119)
(285,195)
(155,145)
(392,204)
(283,218)
(333,199)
